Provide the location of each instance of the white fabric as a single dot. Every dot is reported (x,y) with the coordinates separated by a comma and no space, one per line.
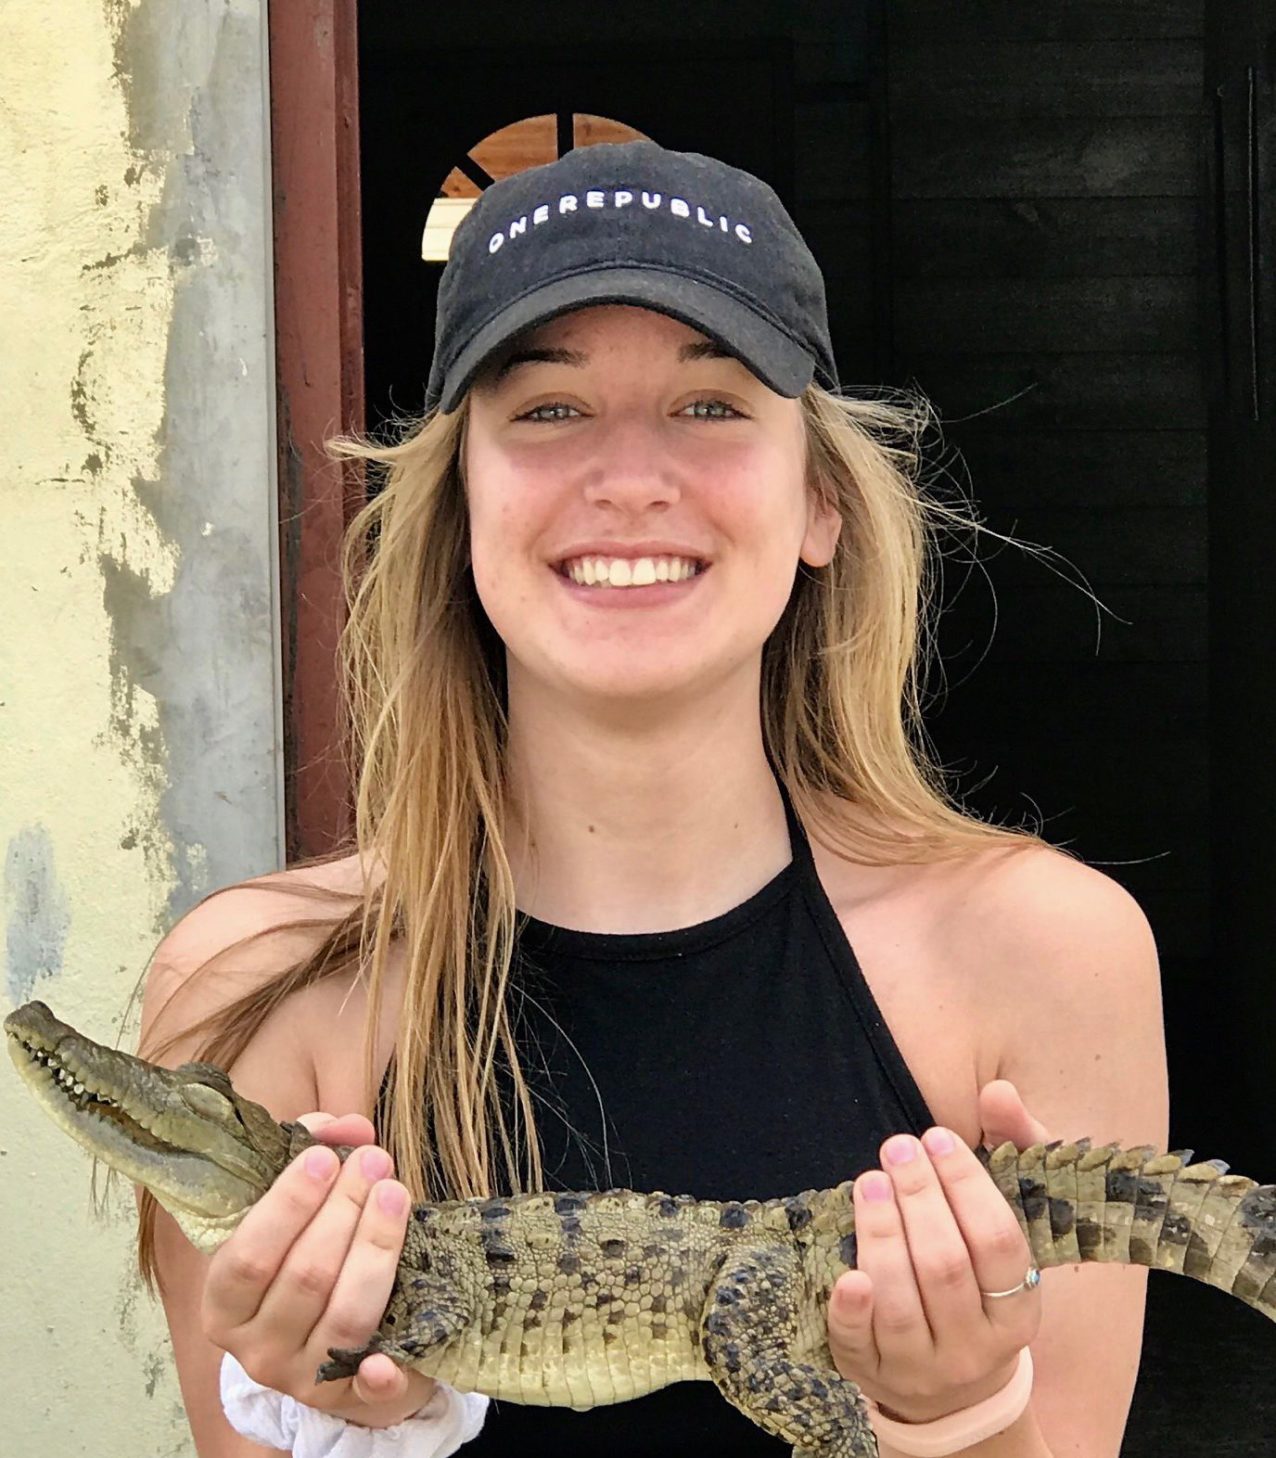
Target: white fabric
(436,1430)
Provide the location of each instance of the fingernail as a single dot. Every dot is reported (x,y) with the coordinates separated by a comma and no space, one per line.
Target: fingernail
(875,1187)
(938,1141)
(319,1163)
(375,1163)
(392,1198)
(901,1149)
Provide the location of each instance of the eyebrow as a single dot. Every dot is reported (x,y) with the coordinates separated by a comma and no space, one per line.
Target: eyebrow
(688,354)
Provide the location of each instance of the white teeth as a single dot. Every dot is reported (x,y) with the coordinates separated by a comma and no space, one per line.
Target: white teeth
(627,572)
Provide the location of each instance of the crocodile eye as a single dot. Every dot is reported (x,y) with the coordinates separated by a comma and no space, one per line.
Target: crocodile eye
(207,1101)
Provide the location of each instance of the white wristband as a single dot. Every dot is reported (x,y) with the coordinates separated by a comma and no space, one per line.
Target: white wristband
(436,1430)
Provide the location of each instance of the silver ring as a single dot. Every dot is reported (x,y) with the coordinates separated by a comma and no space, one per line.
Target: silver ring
(1029,1283)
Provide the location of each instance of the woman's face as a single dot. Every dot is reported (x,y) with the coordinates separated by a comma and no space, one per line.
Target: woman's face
(637,506)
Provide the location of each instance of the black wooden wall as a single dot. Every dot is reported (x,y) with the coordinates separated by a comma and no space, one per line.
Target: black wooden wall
(1052,233)
(1045,174)
(1013,207)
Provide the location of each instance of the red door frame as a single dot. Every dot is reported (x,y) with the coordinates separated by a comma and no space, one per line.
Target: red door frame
(319,361)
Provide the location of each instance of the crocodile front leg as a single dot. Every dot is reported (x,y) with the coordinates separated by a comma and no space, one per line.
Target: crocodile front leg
(754,1349)
(425,1312)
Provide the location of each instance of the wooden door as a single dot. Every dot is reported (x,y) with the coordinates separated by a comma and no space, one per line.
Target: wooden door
(319,391)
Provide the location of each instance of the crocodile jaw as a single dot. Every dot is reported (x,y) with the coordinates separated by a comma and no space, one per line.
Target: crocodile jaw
(172,1131)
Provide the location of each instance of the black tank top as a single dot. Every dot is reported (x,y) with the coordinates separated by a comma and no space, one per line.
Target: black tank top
(741,1058)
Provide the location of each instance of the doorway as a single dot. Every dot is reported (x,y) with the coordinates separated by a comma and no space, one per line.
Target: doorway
(1019,209)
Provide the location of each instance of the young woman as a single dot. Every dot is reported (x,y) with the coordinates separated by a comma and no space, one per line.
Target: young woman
(654,885)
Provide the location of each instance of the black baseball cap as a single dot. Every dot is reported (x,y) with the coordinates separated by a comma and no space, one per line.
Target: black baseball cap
(633,223)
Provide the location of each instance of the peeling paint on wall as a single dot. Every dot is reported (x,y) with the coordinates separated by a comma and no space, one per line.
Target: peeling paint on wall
(138,678)
(208,632)
(37,915)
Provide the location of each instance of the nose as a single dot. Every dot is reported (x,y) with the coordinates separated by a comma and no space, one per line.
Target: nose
(633,471)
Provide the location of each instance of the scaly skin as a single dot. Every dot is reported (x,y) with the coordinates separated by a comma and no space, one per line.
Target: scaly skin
(581,1299)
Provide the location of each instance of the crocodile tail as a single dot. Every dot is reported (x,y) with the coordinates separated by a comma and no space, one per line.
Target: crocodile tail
(1137,1207)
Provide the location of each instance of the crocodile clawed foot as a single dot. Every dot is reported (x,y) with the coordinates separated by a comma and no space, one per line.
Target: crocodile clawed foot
(344,1361)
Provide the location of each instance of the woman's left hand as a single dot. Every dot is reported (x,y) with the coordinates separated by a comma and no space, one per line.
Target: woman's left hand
(908,1325)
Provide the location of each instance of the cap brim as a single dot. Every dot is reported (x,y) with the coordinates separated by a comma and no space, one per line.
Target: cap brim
(777,360)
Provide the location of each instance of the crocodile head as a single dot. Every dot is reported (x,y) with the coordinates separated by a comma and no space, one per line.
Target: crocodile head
(205,1152)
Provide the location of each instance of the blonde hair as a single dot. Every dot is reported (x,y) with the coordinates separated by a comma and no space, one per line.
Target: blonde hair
(424,680)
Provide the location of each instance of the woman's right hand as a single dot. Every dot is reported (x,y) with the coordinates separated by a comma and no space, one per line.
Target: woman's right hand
(312,1266)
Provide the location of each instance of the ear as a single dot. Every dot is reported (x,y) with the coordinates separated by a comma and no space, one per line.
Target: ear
(823,527)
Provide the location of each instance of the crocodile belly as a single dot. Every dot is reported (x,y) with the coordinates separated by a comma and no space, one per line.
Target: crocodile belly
(578,1354)
(578,1300)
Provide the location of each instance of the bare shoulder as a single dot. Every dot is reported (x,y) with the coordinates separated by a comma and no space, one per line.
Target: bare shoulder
(1003,913)
(1032,919)
(280,902)
(233,944)
(1018,961)
(1069,983)
(255,927)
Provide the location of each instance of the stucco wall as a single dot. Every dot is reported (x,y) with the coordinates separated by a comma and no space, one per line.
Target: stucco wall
(138,656)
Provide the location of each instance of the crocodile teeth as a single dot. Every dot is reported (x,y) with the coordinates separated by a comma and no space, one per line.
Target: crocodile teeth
(77,1092)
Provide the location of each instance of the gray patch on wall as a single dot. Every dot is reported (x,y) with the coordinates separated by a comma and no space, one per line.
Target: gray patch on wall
(37,913)
(206,650)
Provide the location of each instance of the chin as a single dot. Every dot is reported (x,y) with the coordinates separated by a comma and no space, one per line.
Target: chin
(633,687)
(658,678)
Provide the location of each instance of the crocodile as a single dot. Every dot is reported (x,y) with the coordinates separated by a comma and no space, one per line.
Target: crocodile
(576,1299)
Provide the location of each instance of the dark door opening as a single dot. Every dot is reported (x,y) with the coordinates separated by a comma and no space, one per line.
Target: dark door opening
(1011,209)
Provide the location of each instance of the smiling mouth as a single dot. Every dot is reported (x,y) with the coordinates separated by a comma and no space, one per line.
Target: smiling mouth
(598,571)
